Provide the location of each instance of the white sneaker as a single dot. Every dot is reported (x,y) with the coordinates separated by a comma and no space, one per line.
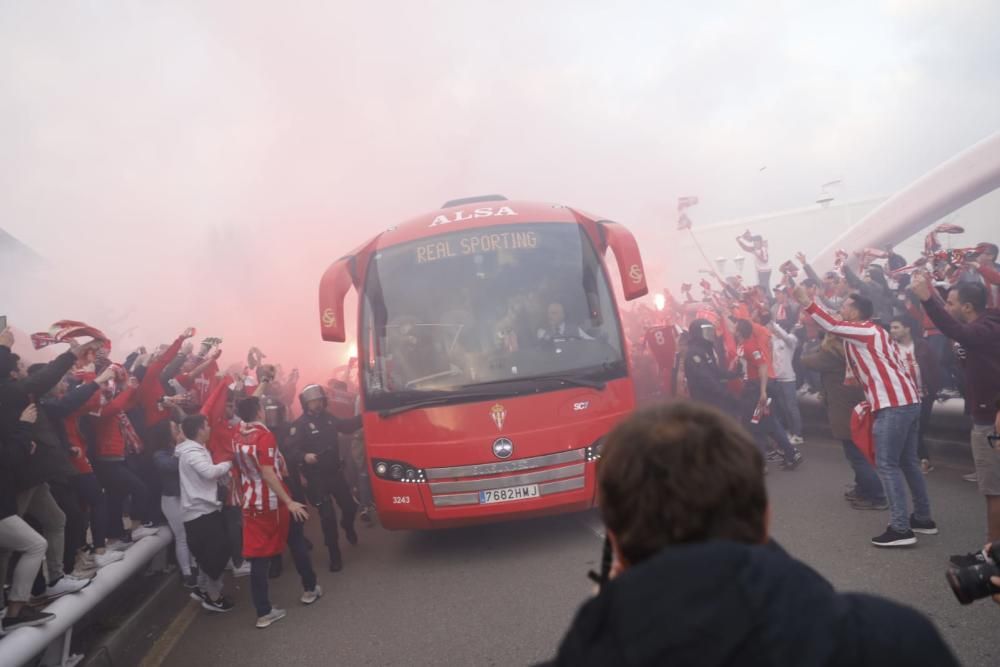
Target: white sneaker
(274,616)
(242,570)
(971,477)
(65,586)
(311,596)
(83,572)
(107,558)
(143,531)
(796,439)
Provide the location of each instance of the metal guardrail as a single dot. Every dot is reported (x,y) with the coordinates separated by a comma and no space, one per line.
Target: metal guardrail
(52,640)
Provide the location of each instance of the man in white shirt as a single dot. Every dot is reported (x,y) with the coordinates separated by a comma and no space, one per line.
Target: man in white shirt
(783,346)
(201,511)
(557,327)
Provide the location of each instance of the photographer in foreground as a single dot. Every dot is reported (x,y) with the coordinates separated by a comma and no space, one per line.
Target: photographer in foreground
(696,579)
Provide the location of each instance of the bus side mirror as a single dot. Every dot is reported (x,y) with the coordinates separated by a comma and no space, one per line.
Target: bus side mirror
(629,260)
(332,289)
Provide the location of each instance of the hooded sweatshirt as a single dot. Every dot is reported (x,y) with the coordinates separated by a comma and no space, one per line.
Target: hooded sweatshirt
(726,603)
(199,480)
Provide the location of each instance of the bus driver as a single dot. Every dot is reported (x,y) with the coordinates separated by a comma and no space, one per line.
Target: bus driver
(557,326)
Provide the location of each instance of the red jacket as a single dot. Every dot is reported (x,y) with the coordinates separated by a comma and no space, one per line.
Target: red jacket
(220,439)
(151,389)
(222,434)
(201,385)
(110,439)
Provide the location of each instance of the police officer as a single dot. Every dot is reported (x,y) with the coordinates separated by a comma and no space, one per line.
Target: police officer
(314,446)
(706,378)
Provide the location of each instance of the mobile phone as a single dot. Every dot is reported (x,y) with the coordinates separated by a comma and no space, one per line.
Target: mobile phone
(3,322)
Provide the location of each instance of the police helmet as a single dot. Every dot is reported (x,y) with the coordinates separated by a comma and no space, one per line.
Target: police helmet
(274,413)
(312,392)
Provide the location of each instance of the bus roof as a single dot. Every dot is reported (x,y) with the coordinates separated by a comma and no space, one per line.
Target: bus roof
(474,215)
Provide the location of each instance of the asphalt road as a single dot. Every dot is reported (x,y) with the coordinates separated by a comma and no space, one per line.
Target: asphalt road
(504,594)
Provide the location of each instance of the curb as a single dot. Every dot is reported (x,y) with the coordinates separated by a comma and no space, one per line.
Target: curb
(132,638)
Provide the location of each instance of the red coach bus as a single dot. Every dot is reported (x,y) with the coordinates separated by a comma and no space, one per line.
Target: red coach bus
(491,358)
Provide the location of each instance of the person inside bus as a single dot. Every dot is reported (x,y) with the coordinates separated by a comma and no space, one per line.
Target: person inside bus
(413,354)
(557,328)
(514,328)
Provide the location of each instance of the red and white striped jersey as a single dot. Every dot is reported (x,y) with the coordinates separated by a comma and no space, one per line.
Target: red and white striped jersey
(908,354)
(872,359)
(255,446)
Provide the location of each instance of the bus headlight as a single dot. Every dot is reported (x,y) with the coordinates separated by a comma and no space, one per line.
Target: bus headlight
(398,471)
(593,452)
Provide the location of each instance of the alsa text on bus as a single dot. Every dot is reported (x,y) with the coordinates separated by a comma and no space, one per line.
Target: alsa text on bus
(459,216)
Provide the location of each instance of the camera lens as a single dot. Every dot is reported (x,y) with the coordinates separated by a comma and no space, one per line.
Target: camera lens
(973,583)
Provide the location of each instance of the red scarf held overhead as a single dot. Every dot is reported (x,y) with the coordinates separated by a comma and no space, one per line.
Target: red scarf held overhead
(63,330)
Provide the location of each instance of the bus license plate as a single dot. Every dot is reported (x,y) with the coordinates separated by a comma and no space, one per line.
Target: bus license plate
(511,493)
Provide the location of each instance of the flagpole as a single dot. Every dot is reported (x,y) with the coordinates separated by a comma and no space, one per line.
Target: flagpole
(701,251)
(683,222)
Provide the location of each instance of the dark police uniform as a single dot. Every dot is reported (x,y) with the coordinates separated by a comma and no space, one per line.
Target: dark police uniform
(318,434)
(705,378)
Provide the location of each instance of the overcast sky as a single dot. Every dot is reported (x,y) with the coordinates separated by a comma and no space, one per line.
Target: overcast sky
(227,130)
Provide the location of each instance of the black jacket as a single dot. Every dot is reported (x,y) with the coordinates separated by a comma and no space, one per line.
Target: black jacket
(318,435)
(51,460)
(706,380)
(55,465)
(723,603)
(15,451)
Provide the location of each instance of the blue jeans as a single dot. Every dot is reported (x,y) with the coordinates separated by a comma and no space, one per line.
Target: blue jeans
(869,486)
(768,425)
(789,398)
(895,434)
(261,567)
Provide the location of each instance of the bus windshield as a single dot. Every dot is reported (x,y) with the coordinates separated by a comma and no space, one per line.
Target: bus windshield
(457,313)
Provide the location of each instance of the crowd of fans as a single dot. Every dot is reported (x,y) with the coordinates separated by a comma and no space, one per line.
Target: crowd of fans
(96,455)
(878,339)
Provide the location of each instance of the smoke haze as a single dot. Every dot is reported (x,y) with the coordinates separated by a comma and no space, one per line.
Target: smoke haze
(202,163)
